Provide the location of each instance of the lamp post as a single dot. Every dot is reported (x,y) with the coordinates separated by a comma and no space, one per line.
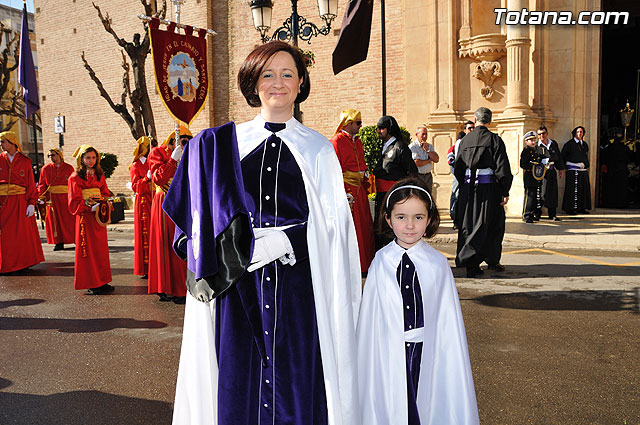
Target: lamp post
(625,116)
(295,27)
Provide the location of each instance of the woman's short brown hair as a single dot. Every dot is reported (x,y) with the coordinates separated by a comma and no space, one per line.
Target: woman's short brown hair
(254,63)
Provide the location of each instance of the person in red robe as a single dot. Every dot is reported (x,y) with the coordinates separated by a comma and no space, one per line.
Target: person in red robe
(167,272)
(20,245)
(52,190)
(87,185)
(141,186)
(355,174)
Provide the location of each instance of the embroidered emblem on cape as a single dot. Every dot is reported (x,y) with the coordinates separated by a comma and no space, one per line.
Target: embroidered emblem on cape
(538,170)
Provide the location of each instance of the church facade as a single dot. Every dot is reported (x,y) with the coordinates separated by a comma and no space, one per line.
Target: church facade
(444,59)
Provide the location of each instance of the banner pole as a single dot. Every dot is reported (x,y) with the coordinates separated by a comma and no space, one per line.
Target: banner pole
(177,4)
(167,22)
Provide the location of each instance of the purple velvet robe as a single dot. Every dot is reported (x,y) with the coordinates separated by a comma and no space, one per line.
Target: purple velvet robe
(213,231)
(266,335)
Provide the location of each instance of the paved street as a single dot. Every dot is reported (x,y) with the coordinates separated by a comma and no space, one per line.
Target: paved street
(553,339)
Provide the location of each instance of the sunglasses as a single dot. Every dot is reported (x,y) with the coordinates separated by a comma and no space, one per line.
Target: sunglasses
(470,128)
(359,122)
(542,134)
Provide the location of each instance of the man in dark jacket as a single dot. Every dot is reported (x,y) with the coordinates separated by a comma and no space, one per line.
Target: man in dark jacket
(395,164)
(552,159)
(484,175)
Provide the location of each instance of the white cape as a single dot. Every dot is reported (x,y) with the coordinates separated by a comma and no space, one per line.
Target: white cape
(445,393)
(335,271)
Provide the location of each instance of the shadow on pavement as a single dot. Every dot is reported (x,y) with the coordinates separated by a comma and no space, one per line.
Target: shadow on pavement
(120,248)
(81,408)
(553,270)
(566,300)
(141,289)
(77,325)
(20,302)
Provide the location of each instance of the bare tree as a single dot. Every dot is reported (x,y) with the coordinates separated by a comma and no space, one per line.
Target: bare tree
(139,116)
(12,102)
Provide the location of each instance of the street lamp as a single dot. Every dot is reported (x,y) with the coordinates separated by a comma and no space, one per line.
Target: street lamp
(625,116)
(295,26)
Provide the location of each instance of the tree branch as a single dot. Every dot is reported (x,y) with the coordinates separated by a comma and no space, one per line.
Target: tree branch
(106,23)
(119,109)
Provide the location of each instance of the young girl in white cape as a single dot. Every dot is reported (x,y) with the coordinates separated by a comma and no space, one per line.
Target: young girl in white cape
(413,361)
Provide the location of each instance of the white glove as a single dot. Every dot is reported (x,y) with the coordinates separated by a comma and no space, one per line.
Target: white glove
(581,164)
(270,245)
(149,174)
(41,201)
(545,161)
(31,210)
(177,153)
(95,207)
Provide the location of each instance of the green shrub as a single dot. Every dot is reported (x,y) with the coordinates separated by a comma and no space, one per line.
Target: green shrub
(372,145)
(108,163)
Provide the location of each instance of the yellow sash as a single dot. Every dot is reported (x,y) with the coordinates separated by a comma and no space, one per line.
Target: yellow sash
(164,188)
(90,193)
(353,178)
(58,189)
(12,189)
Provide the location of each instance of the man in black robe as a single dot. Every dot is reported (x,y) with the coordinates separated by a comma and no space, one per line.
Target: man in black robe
(616,159)
(549,150)
(577,191)
(484,175)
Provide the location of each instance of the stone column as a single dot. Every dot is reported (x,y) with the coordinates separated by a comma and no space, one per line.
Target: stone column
(518,56)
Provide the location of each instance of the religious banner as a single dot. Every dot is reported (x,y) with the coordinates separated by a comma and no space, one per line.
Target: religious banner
(180,68)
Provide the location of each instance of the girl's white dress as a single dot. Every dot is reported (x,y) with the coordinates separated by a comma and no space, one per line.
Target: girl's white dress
(445,391)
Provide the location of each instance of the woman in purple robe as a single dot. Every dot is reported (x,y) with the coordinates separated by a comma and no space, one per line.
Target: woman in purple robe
(278,346)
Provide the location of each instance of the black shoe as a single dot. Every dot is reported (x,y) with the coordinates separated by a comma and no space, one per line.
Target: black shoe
(474,271)
(146,276)
(179,300)
(164,297)
(107,288)
(583,212)
(555,218)
(571,213)
(529,220)
(497,267)
(58,247)
(95,291)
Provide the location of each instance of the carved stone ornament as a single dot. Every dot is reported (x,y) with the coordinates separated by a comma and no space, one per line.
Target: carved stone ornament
(484,47)
(487,49)
(487,72)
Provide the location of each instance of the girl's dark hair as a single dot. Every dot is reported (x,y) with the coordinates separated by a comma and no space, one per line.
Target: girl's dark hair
(254,63)
(573,132)
(461,134)
(82,169)
(403,194)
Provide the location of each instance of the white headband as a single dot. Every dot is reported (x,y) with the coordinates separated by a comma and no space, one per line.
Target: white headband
(410,186)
